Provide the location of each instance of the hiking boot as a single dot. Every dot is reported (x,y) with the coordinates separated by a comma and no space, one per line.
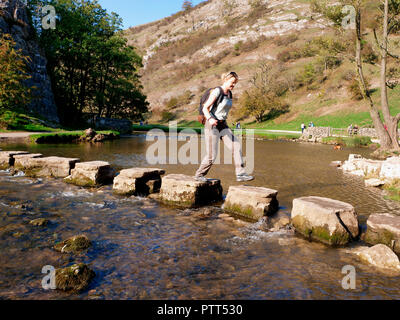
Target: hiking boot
(201,178)
(244,177)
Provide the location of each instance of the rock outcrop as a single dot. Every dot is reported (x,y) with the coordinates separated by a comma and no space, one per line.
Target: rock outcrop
(185,191)
(251,202)
(384,229)
(138,181)
(14,20)
(91,174)
(329,221)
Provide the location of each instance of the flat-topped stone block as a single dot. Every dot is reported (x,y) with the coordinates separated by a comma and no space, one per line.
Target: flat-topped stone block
(56,167)
(186,191)
(329,221)
(380,256)
(384,228)
(91,174)
(391,169)
(7,158)
(21,159)
(251,202)
(136,181)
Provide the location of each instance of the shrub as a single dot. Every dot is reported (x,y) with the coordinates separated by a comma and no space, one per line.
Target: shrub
(285,41)
(354,88)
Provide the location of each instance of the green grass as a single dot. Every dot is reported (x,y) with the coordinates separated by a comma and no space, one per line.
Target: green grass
(393,190)
(15,121)
(348,141)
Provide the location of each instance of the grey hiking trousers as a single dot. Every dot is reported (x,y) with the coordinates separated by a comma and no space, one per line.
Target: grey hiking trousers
(212,136)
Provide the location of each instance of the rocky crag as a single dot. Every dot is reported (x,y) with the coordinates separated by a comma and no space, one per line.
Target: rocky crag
(14,20)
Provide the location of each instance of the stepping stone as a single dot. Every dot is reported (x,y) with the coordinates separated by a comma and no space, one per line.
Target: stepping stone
(380,256)
(21,159)
(391,169)
(374,183)
(138,181)
(329,221)
(56,167)
(251,202)
(385,229)
(185,191)
(91,174)
(7,158)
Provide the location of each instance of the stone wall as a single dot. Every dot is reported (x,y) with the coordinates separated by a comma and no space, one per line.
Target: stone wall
(317,132)
(14,21)
(121,125)
(368,132)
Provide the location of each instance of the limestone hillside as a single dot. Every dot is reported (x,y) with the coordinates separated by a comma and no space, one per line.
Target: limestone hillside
(185,54)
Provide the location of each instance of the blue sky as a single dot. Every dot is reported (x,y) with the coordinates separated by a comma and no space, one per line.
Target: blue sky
(136,12)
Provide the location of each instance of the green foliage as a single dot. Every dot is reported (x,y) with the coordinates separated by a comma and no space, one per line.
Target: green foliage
(92,68)
(11,120)
(14,94)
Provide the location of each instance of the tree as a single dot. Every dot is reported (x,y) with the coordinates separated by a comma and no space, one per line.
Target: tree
(92,68)
(14,95)
(389,21)
(265,95)
(187,5)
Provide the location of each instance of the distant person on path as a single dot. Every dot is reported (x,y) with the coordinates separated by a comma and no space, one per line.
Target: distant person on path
(216,128)
(238,125)
(303,127)
(355,129)
(350,130)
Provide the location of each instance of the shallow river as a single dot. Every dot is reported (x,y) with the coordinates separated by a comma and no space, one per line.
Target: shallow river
(142,250)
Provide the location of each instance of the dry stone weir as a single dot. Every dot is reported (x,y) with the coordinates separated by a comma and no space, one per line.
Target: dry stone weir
(251,202)
(321,219)
(56,167)
(91,174)
(384,229)
(186,191)
(7,158)
(138,181)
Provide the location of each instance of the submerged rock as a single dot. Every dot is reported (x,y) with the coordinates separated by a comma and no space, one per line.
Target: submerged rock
(385,229)
(329,221)
(74,244)
(251,202)
(75,278)
(91,174)
(138,181)
(186,191)
(41,222)
(379,256)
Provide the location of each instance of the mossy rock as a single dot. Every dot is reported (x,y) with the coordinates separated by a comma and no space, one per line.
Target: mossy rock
(74,279)
(74,244)
(81,181)
(320,233)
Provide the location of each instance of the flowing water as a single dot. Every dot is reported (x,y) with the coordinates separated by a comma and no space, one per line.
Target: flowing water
(143,250)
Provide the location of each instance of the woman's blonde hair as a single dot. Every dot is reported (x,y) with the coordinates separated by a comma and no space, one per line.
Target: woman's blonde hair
(227,76)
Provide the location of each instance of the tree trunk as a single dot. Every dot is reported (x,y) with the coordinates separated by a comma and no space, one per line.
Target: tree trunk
(391,122)
(383,135)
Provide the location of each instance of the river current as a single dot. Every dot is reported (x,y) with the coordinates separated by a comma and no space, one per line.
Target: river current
(144,250)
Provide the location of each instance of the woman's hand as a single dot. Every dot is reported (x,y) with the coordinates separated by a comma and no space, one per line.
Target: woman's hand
(213,122)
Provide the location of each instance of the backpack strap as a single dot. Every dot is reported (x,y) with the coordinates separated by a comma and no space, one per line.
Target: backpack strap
(217,101)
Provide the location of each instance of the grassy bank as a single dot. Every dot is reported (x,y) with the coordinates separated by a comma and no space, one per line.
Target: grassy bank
(66,136)
(15,121)
(393,190)
(348,141)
